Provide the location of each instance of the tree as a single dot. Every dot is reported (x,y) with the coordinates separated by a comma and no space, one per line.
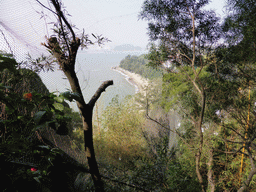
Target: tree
(236,64)
(64,46)
(240,29)
(186,34)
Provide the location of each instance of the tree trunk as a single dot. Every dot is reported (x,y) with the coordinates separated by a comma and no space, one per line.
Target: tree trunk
(199,176)
(89,149)
(248,180)
(86,111)
(66,58)
(201,141)
(251,174)
(211,182)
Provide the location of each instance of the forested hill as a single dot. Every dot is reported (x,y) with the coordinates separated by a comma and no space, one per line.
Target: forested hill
(138,64)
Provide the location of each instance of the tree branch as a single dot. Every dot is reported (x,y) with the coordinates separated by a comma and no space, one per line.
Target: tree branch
(59,13)
(63,34)
(46,7)
(232,152)
(235,131)
(97,94)
(194,83)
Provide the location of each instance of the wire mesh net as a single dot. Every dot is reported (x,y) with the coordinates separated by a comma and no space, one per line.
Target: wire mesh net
(23,27)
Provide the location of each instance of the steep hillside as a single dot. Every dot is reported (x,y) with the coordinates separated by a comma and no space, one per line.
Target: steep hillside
(27,81)
(138,64)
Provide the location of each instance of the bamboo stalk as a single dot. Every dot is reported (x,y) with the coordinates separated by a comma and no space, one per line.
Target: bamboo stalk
(247,125)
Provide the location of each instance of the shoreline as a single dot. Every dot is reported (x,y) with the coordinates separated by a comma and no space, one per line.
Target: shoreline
(134,79)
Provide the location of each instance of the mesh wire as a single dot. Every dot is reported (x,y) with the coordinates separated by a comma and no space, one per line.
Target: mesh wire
(23,27)
(49,137)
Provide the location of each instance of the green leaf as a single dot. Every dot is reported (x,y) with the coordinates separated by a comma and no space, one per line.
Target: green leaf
(67,95)
(70,96)
(59,99)
(38,116)
(38,179)
(56,150)
(58,106)
(39,126)
(76,96)
(44,147)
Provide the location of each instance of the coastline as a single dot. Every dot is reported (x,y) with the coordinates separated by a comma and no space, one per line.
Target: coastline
(135,79)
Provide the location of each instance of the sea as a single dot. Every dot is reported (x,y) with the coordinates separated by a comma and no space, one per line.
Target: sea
(93,68)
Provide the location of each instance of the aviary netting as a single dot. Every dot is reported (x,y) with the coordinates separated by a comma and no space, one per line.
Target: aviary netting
(22,30)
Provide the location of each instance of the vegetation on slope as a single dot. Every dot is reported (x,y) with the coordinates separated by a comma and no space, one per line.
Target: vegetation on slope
(138,64)
(213,94)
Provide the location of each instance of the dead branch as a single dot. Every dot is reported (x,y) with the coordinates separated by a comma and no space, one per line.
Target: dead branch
(232,152)
(100,90)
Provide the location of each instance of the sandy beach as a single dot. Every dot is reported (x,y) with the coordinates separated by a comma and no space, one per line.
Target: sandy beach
(138,81)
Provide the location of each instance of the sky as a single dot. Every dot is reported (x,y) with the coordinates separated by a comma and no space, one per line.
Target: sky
(115,19)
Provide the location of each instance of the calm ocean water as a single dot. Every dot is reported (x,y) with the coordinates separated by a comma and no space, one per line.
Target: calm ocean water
(92,69)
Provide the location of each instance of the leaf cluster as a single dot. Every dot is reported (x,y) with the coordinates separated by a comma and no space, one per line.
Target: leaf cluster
(22,117)
(172,21)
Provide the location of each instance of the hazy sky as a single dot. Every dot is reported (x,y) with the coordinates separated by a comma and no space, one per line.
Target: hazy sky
(115,19)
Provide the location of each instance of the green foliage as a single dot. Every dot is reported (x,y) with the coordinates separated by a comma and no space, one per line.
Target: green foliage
(121,135)
(240,30)
(174,86)
(184,32)
(23,81)
(22,114)
(70,96)
(175,18)
(183,49)
(7,62)
(21,118)
(45,110)
(157,55)
(181,177)
(123,153)
(138,64)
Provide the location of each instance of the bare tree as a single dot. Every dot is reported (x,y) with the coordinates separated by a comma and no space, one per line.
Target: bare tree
(64,47)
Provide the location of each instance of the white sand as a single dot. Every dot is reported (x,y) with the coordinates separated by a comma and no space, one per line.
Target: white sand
(137,80)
